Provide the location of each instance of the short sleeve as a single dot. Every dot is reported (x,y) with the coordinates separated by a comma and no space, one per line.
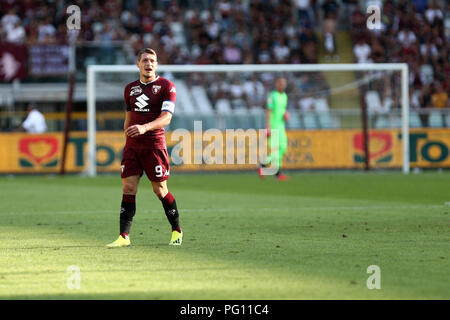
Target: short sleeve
(169,98)
(126,95)
(270,101)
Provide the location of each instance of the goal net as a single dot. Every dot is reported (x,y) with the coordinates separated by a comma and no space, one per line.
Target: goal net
(342,116)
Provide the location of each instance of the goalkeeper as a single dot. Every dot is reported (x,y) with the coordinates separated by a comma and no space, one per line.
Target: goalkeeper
(276,116)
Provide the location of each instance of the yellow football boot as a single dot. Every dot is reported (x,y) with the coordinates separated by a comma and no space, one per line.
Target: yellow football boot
(176,239)
(120,242)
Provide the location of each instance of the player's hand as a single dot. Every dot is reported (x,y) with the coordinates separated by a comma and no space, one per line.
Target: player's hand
(287,116)
(135,130)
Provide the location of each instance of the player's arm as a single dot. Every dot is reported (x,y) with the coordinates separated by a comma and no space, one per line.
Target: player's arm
(162,121)
(269,108)
(126,94)
(268,115)
(126,123)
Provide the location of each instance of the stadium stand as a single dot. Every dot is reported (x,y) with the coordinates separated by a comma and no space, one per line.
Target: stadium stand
(238,31)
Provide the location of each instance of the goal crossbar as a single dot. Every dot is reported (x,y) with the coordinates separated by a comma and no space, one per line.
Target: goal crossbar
(92,70)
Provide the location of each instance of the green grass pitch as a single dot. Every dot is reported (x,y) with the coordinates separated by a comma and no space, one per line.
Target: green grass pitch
(309,238)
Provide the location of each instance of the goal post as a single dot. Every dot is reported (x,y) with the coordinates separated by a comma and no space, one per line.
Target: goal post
(93,72)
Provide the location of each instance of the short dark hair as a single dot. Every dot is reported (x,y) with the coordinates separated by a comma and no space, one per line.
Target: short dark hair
(146,50)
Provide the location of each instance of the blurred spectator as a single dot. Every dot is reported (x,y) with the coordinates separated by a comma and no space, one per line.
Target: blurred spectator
(406,37)
(232,54)
(16,34)
(330,9)
(34,122)
(309,46)
(439,99)
(46,31)
(303,11)
(237,93)
(254,92)
(362,51)
(433,13)
(9,20)
(425,103)
(281,51)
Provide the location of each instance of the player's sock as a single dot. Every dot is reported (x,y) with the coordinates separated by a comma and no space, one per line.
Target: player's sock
(127,211)
(170,208)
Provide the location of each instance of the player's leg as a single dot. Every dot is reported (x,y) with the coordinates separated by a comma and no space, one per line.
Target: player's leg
(127,211)
(170,208)
(158,172)
(272,158)
(131,173)
(283,142)
(128,205)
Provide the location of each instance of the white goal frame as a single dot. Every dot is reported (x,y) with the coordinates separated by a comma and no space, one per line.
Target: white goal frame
(92,71)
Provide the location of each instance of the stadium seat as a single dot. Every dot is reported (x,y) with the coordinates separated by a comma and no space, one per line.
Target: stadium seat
(309,120)
(381,122)
(223,106)
(373,101)
(239,104)
(208,121)
(177,122)
(258,118)
(241,118)
(321,105)
(325,120)
(203,105)
(414,120)
(294,121)
(185,104)
(435,119)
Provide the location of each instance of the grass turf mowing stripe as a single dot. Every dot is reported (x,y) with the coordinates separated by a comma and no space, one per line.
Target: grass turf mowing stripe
(246,248)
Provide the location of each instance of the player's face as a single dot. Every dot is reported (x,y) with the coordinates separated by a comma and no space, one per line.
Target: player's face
(147,66)
(280,84)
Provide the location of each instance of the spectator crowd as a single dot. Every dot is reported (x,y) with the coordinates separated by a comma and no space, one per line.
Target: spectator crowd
(416,32)
(250,32)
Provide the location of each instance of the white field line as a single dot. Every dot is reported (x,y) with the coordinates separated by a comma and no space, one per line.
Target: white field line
(325,208)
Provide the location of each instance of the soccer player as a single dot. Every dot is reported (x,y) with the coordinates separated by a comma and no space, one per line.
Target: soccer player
(150,103)
(276,116)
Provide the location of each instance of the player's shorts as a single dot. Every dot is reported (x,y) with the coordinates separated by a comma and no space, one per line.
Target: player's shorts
(154,162)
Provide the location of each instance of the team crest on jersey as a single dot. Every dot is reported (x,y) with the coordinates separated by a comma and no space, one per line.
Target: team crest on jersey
(135,90)
(155,89)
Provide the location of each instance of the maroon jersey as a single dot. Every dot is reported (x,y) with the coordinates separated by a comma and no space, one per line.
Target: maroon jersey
(146,101)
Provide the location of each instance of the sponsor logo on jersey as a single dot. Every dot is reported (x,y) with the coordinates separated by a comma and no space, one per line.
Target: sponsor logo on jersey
(155,89)
(135,90)
(141,103)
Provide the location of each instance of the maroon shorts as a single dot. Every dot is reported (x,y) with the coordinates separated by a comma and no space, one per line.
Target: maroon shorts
(154,162)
